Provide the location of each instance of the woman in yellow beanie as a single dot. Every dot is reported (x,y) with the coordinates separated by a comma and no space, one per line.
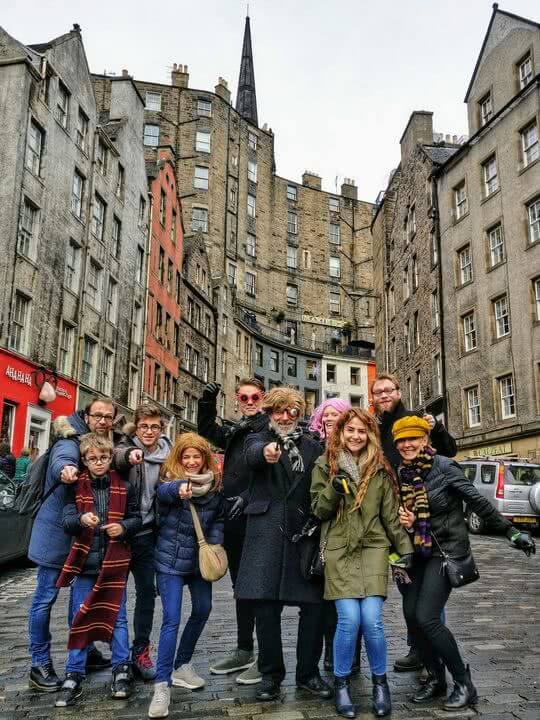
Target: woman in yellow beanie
(433,490)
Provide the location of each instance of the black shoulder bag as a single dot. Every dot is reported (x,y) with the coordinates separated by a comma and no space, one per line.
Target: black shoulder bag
(461,570)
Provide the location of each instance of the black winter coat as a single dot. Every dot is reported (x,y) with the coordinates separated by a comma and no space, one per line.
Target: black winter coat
(279,504)
(237,475)
(71,520)
(447,490)
(7,465)
(439,438)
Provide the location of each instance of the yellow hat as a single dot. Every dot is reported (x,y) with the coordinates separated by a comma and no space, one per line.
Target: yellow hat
(410,426)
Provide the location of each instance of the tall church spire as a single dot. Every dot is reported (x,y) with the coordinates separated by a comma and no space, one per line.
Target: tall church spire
(246,99)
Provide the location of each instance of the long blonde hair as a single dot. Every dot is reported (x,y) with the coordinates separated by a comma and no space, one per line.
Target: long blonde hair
(374,456)
(172,467)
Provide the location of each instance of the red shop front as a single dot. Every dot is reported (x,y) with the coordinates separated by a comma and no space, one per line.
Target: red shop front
(25,420)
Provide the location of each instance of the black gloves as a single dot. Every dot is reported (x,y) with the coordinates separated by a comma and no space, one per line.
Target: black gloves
(340,483)
(236,505)
(523,541)
(211,391)
(311,525)
(406,561)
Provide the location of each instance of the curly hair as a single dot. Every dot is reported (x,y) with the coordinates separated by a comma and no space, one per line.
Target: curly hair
(375,458)
(282,397)
(316,423)
(172,467)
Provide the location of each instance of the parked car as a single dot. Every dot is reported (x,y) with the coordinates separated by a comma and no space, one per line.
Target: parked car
(512,485)
(14,528)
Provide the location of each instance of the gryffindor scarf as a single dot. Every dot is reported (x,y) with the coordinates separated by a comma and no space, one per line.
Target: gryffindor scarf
(96,617)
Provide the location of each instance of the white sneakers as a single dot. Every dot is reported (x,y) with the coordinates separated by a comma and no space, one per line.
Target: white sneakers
(186,677)
(159,707)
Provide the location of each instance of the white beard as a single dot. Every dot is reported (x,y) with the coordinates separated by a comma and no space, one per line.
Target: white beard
(281,429)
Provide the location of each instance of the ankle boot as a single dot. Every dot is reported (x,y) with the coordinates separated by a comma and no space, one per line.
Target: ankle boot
(434,687)
(344,706)
(382,704)
(463,695)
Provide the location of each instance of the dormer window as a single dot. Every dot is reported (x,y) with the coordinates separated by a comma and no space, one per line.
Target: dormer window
(525,71)
(486,109)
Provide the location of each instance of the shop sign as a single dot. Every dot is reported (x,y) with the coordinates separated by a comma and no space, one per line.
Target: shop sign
(330,322)
(63,393)
(502,449)
(19,376)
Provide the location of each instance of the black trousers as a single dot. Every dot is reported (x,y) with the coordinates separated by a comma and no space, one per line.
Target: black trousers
(308,645)
(245,614)
(142,569)
(423,601)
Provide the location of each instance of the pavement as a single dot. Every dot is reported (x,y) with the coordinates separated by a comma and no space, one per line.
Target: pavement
(495,621)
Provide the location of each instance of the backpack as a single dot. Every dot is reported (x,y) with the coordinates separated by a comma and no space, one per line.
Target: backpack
(30,496)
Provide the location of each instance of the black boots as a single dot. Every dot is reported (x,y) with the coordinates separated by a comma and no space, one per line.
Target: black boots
(44,678)
(382,704)
(463,694)
(344,706)
(409,662)
(434,687)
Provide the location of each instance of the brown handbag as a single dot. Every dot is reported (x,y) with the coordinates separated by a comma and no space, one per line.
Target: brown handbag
(213,562)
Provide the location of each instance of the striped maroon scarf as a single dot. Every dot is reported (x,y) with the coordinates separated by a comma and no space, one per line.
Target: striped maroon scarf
(96,617)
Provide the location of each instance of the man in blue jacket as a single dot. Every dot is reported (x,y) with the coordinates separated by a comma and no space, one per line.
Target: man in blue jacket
(49,544)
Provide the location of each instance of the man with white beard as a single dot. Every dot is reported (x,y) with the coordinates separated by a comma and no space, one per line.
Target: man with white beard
(281,458)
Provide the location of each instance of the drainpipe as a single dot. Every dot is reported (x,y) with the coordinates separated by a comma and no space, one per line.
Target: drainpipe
(146,311)
(441,304)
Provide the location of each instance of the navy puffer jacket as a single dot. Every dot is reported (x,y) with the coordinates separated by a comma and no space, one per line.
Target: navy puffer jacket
(176,548)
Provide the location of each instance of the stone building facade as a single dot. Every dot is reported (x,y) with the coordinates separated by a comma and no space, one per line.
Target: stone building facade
(489,205)
(348,378)
(72,219)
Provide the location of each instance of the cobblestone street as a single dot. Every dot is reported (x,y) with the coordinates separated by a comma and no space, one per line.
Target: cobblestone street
(496,621)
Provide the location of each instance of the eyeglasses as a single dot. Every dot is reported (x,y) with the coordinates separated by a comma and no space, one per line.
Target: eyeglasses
(99,417)
(149,428)
(291,412)
(384,391)
(246,398)
(98,460)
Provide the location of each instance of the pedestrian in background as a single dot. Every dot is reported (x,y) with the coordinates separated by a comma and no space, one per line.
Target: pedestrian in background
(22,465)
(7,460)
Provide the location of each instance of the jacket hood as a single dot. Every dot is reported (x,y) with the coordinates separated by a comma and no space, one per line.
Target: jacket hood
(67,426)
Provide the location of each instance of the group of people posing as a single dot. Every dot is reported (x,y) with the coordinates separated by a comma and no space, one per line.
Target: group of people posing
(309,517)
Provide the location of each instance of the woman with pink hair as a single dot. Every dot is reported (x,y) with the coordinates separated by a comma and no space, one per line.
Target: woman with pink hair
(325,415)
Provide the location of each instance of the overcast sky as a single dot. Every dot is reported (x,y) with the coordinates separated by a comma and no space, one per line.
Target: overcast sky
(336,79)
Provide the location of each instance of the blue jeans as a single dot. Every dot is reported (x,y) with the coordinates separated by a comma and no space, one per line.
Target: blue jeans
(170,589)
(76,660)
(363,615)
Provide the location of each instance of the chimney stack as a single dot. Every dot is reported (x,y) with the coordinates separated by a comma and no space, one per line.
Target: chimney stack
(180,76)
(349,189)
(125,73)
(222,89)
(312,180)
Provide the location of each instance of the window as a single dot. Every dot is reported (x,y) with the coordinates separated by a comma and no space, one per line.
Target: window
(172,231)
(20,324)
(529,144)
(533,213)
(252,141)
(34,148)
(406,286)
(306,259)
(195,362)
(102,158)
(112,301)
(536,298)
(190,310)
(178,287)
(153,101)
(507,397)
(162,207)
(251,245)
(334,267)
(274,360)
(414,273)
(187,357)
(486,109)
(433,247)
(223,361)
(137,324)
(437,375)
(469,331)
(496,245)
(333,204)
(116,234)
(81,134)
(252,171)
(238,345)
(72,277)
(331,373)
(199,219)
(292,295)
(98,218)
(170,273)
(158,328)
(292,257)
(200,180)
(258,354)
(291,192)
(335,234)
(142,211)
(355,376)
(292,223)
(251,205)
(167,388)
(292,366)
(412,222)
(204,108)
(465,265)
(250,279)
(312,370)
(392,301)
(139,267)
(93,289)
(28,227)
(409,392)
(88,364)
(461,205)
(232,194)
(62,105)
(418,387)
(198,315)
(206,369)
(133,387)
(231,274)
(416,330)
(65,355)
(491,179)
(106,372)
(525,70)
(225,324)
(151,135)
(501,316)
(202,141)
(161,265)
(435,316)
(77,194)
(120,182)
(156,391)
(407,338)
(472,396)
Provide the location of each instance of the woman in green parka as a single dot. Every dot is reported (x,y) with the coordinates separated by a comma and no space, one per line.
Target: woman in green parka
(355,495)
